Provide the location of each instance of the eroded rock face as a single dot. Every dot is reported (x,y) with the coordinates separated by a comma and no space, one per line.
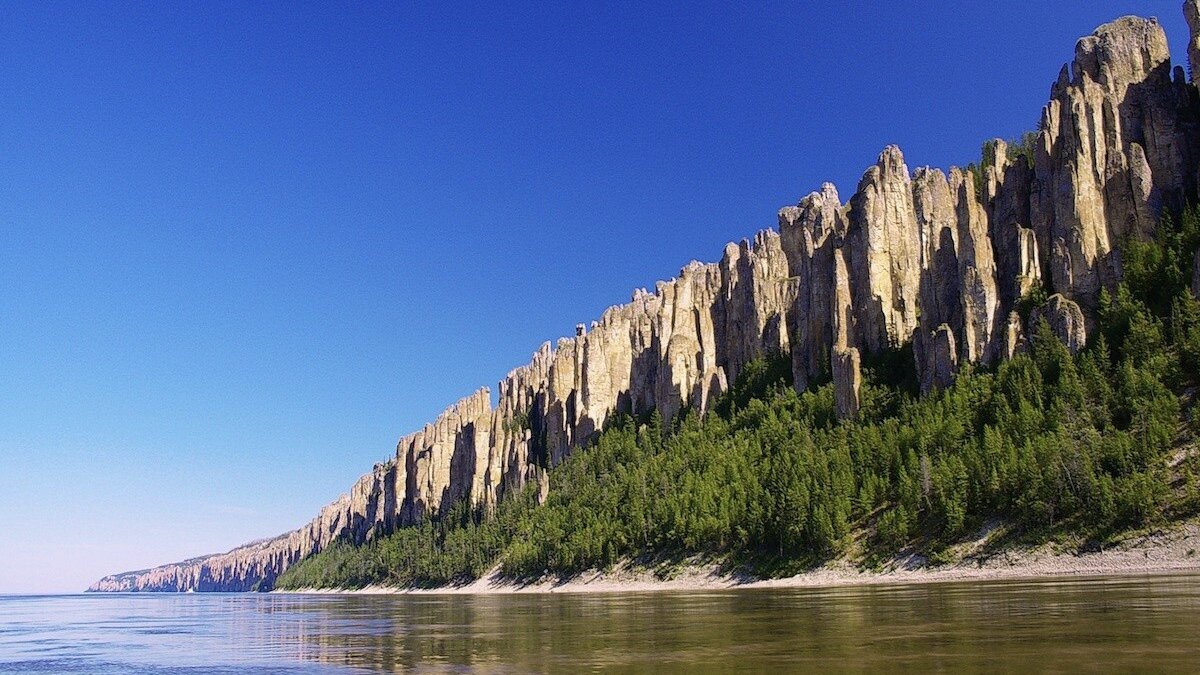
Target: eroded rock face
(1006,198)
(1117,144)
(1014,336)
(847,381)
(885,263)
(939,259)
(1066,320)
(941,360)
(812,234)
(980,298)
(1191,12)
(1029,268)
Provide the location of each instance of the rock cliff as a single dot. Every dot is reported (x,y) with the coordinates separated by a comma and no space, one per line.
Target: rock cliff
(932,259)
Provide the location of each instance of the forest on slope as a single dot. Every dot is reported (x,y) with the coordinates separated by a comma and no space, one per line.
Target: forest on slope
(769,482)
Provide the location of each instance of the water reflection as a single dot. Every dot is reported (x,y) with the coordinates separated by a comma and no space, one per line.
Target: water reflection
(1088,624)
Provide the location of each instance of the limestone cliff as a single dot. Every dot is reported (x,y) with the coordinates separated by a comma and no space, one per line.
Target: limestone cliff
(936,259)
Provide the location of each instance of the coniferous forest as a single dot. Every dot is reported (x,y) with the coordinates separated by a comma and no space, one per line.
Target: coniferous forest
(1050,444)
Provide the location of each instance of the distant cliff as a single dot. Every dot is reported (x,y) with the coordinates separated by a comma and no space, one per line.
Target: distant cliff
(923,258)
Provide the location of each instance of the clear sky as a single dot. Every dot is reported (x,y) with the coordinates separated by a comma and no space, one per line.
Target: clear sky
(244,247)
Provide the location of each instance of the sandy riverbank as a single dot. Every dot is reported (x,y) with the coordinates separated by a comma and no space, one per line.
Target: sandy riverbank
(1172,551)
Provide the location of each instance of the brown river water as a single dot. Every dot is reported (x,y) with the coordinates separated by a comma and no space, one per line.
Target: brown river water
(1103,624)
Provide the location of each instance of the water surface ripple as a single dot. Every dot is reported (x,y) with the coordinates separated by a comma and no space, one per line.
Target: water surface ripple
(1063,625)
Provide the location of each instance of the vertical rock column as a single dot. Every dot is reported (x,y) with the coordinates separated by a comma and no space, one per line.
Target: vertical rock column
(845,364)
(809,235)
(885,255)
(1117,144)
(979,295)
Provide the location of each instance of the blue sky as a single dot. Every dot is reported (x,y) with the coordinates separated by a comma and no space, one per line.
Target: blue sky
(244,247)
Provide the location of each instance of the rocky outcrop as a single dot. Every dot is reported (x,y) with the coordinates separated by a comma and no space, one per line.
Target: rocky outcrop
(936,259)
(1191,12)
(811,234)
(1029,273)
(1118,143)
(1014,336)
(958,287)
(885,259)
(1065,319)
(847,382)
(941,360)
(1006,197)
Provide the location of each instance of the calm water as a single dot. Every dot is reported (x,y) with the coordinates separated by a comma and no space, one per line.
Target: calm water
(1105,625)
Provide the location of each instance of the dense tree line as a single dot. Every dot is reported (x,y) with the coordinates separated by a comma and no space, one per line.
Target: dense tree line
(1048,441)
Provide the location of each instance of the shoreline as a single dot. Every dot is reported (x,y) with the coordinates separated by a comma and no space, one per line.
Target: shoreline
(1172,551)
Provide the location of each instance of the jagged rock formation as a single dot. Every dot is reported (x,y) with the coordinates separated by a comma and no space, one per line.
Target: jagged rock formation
(938,260)
(847,382)
(847,361)
(1118,142)
(941,360)
(1014,336)
(883,250)
(1065,319)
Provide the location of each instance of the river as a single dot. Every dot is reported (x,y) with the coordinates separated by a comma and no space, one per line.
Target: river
(1087,624)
